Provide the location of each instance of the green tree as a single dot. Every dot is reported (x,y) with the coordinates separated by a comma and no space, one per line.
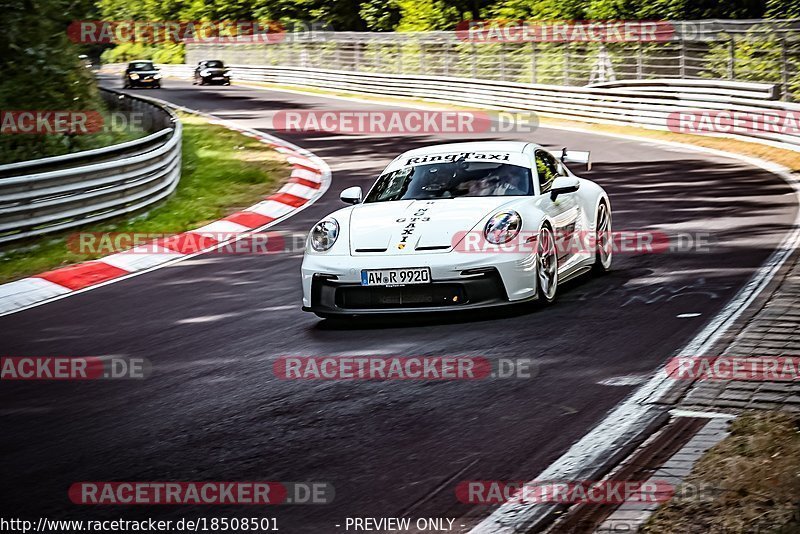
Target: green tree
(42,71)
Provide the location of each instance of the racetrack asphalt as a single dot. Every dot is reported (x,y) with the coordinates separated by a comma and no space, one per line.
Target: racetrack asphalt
(211,326)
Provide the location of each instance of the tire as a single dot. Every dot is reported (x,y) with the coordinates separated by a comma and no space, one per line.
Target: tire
(157,86)
(546,266)
(604,241)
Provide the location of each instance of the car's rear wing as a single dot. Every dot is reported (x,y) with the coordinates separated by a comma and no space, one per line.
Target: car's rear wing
(577,156)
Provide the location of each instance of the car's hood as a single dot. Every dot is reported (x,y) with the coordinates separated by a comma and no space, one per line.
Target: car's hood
(144,72)
(417,226)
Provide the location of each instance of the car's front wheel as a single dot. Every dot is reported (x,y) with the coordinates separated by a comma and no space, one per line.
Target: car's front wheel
(603,240)
(546,266)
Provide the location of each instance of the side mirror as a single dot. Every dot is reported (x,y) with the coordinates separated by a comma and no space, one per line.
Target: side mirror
(351,195)
(582,157)
(564,184)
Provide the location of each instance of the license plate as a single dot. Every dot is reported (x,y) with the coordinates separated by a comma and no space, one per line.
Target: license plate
(395,277)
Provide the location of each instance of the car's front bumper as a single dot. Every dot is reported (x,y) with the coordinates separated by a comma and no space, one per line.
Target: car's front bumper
(332,284)
(142,82)
(210,80)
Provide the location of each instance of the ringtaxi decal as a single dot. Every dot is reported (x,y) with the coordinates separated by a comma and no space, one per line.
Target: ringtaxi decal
(433,158)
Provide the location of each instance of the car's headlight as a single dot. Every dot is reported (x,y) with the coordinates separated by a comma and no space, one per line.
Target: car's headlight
(324,235)
(134,76)
(205,73)
(157,76)
(502,227)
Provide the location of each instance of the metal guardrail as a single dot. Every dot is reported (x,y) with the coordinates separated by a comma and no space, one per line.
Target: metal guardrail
(745,50)
(652,104)
(650,107)
(57,193)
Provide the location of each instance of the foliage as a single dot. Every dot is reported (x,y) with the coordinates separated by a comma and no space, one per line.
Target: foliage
(42,71)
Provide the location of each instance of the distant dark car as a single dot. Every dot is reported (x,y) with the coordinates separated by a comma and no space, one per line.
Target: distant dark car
(141,74)
(211,71)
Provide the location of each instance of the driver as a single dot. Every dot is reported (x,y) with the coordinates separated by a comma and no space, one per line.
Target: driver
(505,180)
(509,181)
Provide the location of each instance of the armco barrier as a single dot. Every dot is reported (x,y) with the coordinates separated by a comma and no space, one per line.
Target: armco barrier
(647,103)
(57,193)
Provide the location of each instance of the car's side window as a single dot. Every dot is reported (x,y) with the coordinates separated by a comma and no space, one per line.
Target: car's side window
(547,168)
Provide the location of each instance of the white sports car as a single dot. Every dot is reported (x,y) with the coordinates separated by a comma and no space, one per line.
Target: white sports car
(458,226)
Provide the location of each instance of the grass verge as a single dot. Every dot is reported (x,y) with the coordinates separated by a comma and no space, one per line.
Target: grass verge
(754,474)
(222,171)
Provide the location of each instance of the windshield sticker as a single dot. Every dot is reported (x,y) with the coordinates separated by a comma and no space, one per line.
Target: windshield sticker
(458,156)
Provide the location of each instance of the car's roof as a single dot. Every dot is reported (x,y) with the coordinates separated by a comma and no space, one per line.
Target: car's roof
(141,61)
(474,146)
(207,60)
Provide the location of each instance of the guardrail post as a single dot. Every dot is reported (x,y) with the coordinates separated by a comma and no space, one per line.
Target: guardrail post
(473,53)
(731,58)
(357,58)
(639,61)
(503,61)
(533,61)
(421,57)
(399,58)
(566,63)
(784,70)
(683,57)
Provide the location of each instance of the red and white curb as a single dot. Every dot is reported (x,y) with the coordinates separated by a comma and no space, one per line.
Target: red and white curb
(310,178)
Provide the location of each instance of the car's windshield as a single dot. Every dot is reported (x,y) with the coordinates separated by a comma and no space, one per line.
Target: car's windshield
(452,180)
(142,65)
(214,64)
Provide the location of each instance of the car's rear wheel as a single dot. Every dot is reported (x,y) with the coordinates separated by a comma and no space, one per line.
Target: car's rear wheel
(546,266)
(603,240)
